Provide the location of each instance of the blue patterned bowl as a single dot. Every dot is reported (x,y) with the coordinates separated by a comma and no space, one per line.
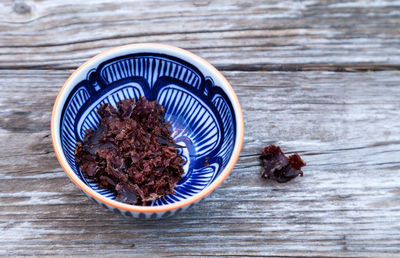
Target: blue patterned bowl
(200,104)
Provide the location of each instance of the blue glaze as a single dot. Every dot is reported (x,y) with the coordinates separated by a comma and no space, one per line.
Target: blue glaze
(200,113)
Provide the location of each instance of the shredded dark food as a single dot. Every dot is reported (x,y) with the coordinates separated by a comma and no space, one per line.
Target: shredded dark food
(132,152)
(278,167)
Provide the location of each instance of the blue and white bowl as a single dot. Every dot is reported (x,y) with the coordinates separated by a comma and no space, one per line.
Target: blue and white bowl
(200,104)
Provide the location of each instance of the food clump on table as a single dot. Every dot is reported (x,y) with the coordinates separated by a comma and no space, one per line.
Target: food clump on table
(278,167)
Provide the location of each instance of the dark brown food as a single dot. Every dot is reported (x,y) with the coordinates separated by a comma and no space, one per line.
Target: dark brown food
(131,152)
(206,161)
(278,167)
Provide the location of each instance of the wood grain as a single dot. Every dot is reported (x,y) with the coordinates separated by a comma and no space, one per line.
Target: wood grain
(233,35)
(316,77)
(345,125)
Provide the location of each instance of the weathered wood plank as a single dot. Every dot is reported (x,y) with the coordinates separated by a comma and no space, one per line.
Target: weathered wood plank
(345,125)
(233,35)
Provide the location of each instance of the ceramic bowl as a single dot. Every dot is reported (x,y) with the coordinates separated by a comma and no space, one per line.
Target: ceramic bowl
(200,104)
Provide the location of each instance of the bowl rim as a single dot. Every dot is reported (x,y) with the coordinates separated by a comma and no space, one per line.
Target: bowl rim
(56,141)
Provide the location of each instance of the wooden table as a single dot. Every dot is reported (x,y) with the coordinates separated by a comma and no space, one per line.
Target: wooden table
(320,78)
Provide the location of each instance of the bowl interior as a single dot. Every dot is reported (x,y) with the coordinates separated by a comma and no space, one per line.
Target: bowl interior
(201,114)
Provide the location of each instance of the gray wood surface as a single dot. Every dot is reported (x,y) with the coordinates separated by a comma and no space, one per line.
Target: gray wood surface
(320,78)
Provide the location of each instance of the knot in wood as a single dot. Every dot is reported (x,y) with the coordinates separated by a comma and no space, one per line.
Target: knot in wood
(21,8)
